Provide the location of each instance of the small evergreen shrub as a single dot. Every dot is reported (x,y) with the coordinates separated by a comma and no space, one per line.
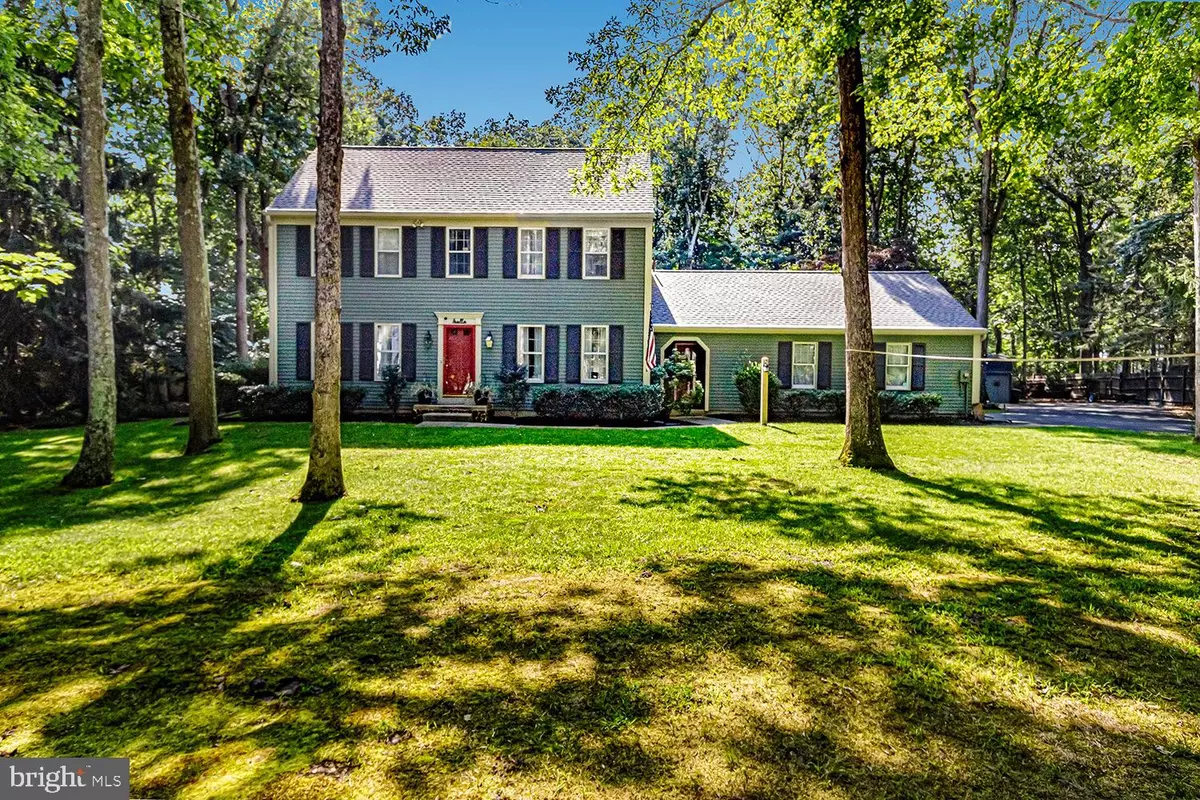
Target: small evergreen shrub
(514,388)
(619,403)
(393,387)
(747,381)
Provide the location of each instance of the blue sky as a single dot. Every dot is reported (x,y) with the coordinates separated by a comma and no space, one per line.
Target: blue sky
(500,56)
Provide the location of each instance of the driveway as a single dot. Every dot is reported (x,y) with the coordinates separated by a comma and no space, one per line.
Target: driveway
(1109,416)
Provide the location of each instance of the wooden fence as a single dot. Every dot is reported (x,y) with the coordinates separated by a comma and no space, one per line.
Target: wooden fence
(1173,385)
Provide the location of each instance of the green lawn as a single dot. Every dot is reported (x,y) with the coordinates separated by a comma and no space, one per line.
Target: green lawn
(707,613)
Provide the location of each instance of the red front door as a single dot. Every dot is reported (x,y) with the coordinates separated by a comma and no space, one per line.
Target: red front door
(458,359)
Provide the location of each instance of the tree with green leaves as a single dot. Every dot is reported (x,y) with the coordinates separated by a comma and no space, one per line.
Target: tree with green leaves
(644,80)
(95,464)
(1151,84)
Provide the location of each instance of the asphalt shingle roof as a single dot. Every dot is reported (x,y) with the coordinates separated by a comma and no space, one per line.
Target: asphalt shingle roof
(812,300)
(461,180)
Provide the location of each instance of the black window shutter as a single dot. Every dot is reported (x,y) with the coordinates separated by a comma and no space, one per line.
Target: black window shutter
(347,350)
(616,353)
(616,263)
(304,251)
(481,252)
(881,365)
(304,351)
(508,347)
(347,251)
(437,252)
(918,366)
(408,254)
(510,252)
(824,365)
(572,354)
(366,351)
(366,252)
(552,252)
(551,370)
(574,253)
(783,364)
(408,351)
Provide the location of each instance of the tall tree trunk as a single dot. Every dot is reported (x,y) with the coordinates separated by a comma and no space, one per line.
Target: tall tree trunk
(202,390)
(989,214)
(864,445)
(240,226)
(1196,268)
(324,481)
(95,465)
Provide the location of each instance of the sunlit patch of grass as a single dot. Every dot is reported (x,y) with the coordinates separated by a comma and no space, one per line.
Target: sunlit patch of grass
(715,612)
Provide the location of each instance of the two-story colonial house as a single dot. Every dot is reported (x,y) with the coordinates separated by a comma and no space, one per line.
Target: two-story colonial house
(456,261)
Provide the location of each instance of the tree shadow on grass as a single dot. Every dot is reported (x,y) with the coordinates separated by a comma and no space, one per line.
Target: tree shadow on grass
(154,479)
(710,677)
(1174,444)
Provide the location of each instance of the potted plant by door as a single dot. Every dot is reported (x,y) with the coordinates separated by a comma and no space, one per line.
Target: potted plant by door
(483,395)
(424,394)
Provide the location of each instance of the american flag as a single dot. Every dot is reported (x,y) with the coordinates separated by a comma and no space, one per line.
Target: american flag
(651,350)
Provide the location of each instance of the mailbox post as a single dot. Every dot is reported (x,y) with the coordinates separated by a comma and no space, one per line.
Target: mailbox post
(763,381)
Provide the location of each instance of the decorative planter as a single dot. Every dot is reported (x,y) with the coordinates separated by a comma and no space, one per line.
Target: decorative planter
(424,396)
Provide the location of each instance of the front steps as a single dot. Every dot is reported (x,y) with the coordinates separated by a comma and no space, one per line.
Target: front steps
(444,412)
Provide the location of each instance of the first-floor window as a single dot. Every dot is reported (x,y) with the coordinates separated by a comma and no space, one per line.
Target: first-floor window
(595,354)
(532,252)
(804,365)
(458,248)
(387,348)
(387,252)
(897,366)
(533,351)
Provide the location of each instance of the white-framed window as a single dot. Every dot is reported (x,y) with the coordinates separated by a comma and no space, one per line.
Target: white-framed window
(387,347)
(898,366)
(458,252)
(387,252)
(531,253)
(804,365)
(531,347)
(594,354)
(595,252)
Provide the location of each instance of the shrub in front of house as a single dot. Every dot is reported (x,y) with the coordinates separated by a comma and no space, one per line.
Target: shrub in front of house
(831,404)
(747,381)
(601,404)
(909,405)
(811,404)
(264,402)
(228,384)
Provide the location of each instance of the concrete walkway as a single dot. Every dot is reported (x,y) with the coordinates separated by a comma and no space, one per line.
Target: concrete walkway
(1107,416)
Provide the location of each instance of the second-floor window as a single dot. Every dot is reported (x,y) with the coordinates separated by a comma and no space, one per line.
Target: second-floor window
(387,252)
(531,252)
(458,248)
(595,253)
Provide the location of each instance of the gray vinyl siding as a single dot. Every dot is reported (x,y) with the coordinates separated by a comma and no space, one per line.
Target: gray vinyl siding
(502,301)
(727,352)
